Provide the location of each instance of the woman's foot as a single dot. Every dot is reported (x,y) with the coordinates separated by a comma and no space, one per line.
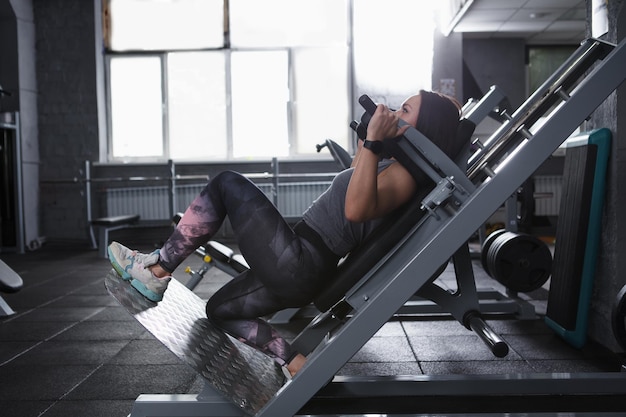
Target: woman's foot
(296,364)
(141,269)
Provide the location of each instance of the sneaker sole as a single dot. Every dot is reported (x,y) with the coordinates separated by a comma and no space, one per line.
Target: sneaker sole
(143,290)
(118,268)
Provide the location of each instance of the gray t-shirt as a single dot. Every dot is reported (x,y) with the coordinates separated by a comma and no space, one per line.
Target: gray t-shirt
(326,215)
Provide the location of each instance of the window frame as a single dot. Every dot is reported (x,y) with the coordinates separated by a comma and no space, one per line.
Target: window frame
(353,87)
(163,59)
(109,56)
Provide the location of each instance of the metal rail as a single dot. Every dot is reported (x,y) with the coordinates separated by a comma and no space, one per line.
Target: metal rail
(388,286)
(553,91)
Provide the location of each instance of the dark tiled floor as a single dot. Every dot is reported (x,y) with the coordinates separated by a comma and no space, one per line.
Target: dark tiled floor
(71,350)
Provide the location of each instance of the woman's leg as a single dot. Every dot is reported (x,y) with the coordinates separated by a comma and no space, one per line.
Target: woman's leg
(289,266)
(228,193)
(284,270)
(236,308)
(201,220)
(268,243)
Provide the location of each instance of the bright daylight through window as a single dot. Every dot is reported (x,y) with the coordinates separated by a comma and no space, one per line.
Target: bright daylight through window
(282,77)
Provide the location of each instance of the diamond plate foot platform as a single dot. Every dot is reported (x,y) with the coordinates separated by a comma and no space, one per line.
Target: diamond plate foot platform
(243,375)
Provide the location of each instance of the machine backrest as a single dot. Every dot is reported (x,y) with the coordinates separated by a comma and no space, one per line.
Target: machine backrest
(388,233)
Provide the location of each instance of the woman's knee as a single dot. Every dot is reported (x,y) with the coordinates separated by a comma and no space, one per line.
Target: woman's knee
(213,309)
(228,179)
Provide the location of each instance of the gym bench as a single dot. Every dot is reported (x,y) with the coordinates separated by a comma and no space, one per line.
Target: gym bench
(104,225)
(10,282)
(239,382)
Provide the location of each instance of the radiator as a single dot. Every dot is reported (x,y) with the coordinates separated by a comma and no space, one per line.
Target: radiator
(152,203)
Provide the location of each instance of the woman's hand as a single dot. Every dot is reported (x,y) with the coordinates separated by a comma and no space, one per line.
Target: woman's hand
(371,195)
(384,124)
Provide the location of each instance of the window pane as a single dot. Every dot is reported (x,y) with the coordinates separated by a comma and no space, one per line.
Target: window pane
(260,95)
(197,105)
(399,63)
(288,22)
(136,103)
(163,25)
(321,94)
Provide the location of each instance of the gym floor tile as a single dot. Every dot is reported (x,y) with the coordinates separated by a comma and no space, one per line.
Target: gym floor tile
(435,328)
(454,348)
(385,349)
(102,330)
(71,350)
(543,346)
(393,328)
(69,314)
(144,352)
(380,369)
(115,313)
(74,352)
(468,367)
(91,408)
(117,382)
(572,366)
(77,300)
(18,332)
(11,350)
(40,382)
(520,327)
(25,408)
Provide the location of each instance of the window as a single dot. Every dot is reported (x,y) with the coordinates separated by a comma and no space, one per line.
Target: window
(263,78)
(260,97)
(290,23)
(196,106)
(400,54)
(136,117)
(149,25)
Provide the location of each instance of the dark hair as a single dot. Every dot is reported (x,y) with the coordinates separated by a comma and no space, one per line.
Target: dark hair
(438,120)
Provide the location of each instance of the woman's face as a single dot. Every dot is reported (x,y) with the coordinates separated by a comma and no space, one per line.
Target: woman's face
(410,109)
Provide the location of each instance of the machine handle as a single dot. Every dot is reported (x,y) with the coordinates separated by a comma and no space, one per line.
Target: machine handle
(367,104)
(495,343)
(370,109)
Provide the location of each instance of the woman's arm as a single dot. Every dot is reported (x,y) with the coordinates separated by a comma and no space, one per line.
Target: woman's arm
(359,146)
(371,195)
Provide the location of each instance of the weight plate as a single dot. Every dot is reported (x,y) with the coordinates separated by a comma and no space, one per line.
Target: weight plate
(520,262)
(494,248)
(485,248)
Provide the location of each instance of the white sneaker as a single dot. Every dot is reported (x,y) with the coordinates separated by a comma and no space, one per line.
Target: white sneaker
(132,265)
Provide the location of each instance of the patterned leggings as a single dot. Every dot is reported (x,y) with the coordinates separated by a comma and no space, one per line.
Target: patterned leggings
(285,269)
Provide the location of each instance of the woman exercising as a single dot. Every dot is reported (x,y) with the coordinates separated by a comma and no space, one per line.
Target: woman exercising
(289,267)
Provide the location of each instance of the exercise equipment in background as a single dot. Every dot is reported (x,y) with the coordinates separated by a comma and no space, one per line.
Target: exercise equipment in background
(339,154)
(451,213)
(10,282)
(578,234)
(520,262)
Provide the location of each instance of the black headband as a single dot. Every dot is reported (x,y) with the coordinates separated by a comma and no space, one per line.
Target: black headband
(438,120)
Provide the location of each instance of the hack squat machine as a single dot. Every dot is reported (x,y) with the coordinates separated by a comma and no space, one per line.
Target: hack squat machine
(241,381)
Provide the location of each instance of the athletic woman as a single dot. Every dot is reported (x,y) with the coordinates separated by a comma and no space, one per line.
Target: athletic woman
(290,266)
